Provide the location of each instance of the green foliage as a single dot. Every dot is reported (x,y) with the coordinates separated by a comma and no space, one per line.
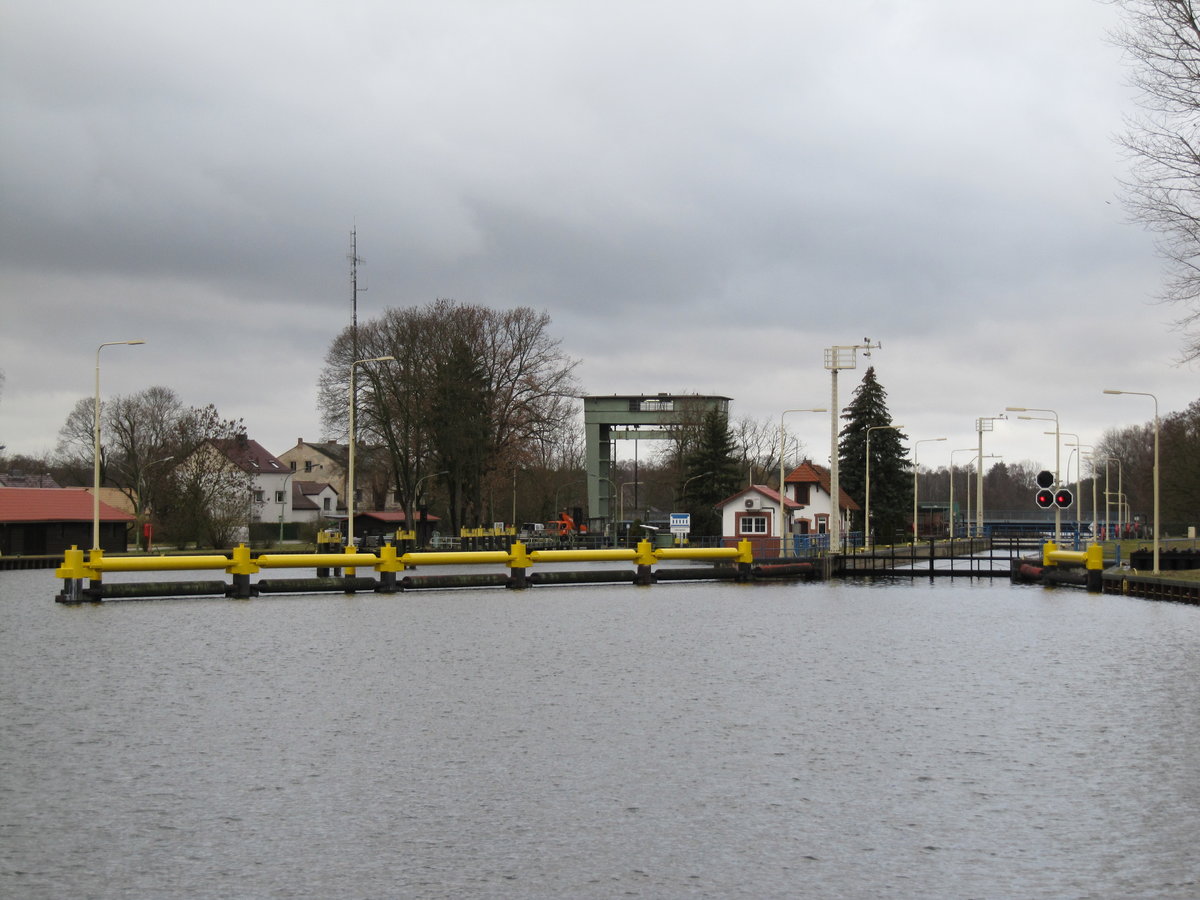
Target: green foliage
(711,473)
(867,417)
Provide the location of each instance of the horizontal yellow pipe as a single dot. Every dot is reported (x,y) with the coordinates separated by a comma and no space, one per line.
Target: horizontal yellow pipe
(158,563)
(620,554)
(697,552)
(315,560)
(456,557)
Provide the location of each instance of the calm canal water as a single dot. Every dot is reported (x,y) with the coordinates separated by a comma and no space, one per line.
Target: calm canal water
(916,739)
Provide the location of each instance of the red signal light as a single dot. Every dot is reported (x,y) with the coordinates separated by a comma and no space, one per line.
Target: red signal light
(1045,498)
(1063,498)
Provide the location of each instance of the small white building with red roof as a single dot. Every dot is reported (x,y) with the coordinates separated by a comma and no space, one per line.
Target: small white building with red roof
(760,515)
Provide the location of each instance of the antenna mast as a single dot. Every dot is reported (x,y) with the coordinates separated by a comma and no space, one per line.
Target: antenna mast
(355,259)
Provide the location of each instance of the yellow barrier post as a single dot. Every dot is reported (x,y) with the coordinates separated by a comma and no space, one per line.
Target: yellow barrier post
(241,567)
(389,564)
(1047,550)
(73,571)
(645,560)
(518,564)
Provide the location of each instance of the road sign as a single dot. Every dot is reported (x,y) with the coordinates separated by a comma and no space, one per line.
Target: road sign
(681,523)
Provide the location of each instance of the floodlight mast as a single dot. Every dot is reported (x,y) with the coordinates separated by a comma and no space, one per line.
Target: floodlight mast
(839,357)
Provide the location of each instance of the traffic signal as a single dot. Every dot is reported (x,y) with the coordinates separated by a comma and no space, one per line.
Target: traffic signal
(1045,479)
(1045,498)
(1063,498)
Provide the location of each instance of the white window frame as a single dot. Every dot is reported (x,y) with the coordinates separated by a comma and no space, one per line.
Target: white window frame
(761,525)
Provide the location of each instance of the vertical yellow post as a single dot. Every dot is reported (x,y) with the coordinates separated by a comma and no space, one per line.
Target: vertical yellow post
(1048,548)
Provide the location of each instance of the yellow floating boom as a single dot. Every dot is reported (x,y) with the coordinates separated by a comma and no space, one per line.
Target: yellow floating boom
(93,564)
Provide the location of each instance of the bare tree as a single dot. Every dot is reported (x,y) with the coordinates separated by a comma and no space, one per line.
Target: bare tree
(209,496)
(472,391)
(1163,193)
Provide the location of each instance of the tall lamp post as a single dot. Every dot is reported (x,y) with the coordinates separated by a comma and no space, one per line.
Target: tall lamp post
(416,498)
(1088,452)
(1057,457)
(350,466)
(952,517)
(782,490)
(1155,399)
(96,446)
(982,424)
(868,535)
(143,519)
(1108,494)
(836,358)
(1078,475)
(916,530)
(283,504)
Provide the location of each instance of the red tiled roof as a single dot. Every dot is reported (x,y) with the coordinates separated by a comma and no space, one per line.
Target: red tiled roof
(54,505)
(809,472)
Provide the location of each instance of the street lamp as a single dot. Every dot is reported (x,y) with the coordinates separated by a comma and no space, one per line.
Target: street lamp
(1108,494)
(1089,452)
(982,424)
(916,530)
(350,467)
(978,533)
(782,488)
(952,518)
(1155,399)
(283,503)
(868,541)
(141,504)
(1057,451)
(1078,476)
(416,497)
(96,446)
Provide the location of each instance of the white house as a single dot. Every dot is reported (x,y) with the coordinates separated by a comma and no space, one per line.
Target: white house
(313,501)
(760,515)
(328,461)
(754,515)
(808,486)
(270,497)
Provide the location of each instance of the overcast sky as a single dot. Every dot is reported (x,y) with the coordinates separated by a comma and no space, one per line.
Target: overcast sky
(703,196)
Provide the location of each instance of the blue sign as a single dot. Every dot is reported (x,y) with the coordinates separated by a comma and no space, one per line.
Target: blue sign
(681,523)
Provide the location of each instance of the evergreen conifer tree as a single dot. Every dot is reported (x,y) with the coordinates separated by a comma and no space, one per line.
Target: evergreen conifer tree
(891,486)
(711,474)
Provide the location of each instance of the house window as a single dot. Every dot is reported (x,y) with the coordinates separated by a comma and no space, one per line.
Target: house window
(753,525)
(325,504)
(801,495)
(258,496)
(308,465)
(279,496)
(292,465)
